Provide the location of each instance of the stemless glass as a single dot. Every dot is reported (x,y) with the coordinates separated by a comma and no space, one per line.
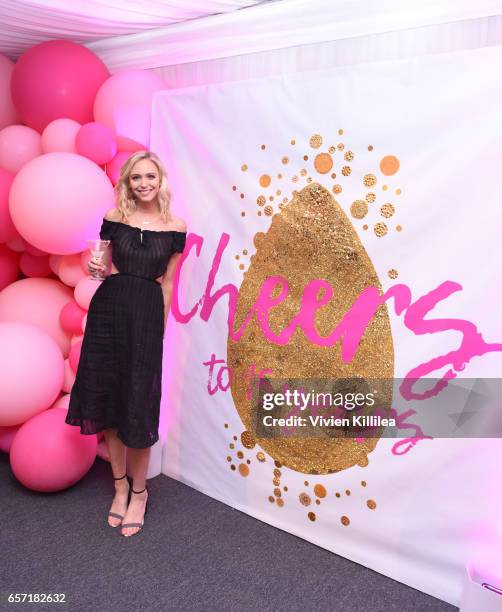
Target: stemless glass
(98,248)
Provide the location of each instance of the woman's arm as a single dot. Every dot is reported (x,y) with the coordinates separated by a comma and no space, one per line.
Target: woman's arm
(167,284)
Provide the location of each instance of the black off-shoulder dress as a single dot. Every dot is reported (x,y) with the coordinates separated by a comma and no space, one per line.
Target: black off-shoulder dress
(119,377)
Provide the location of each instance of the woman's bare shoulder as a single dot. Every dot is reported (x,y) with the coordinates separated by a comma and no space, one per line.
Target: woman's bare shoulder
(178,223)
(113,214)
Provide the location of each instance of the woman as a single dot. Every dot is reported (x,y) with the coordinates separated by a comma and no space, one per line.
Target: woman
(118,383)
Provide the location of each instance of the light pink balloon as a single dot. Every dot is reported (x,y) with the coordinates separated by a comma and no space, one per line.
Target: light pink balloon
(31,372)
(55,262)
(57,202)
(47,455)
(17,244)
(74,356)
(33,266)
(62,402)
(70,317)
(8,230)
(18,145)
(70,270)
(8,113)
(37,301)
(7,436)
(84,291)
(114,167)
(69,377)
(124,104)
(9,266)
(60,135)
(84,323)
(55,79)
(77,337)
(97,142)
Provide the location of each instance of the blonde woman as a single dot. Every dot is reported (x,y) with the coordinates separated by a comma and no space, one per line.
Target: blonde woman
(117,388)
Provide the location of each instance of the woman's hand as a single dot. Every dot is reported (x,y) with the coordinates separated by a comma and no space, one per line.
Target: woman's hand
(95,265)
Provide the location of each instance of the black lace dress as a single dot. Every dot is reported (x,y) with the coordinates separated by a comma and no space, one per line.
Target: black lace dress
(119,376)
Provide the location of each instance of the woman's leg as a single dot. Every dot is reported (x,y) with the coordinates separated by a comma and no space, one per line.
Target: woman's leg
(117,451)
(138,462)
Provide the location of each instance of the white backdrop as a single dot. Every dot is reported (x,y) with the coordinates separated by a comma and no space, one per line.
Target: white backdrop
(422,514)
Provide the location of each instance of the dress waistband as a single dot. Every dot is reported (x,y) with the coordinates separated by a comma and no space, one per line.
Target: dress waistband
(152,280)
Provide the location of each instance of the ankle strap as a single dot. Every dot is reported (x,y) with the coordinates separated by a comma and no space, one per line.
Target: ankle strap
(124,476)
(142,491)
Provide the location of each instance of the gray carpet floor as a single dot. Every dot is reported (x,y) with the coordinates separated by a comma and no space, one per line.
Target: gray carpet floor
(194,554)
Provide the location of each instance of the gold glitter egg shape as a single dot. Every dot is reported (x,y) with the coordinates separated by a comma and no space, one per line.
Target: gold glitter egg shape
(311,238)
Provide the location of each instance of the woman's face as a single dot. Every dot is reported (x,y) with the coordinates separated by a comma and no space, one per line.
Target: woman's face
(144,180)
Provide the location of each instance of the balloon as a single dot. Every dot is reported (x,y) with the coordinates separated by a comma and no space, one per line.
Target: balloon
(60,135)
(74,356)
(17,244)
(55,262)
(71,316)
(84,323)
(7,435)
(124,104)
(9,266)
(57,202)
(8,113)
(18,145)
(114,167)
(97,142)
(37,301)
(29,248)
(69,377)
(31,372)
(85,290)
(34,266)
(77,337)
(55,79)
(47,455)
(8,230)
(62,402)
(70,270)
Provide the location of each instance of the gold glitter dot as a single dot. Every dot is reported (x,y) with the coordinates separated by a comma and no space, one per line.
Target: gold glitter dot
(365,227)
(271,499)
(359,209)
(285,160)
(271,198)
(244,167)
(260,200)
(323,163)
(371,504)
(245,252)
(311,516)
(265,180)
(248,461)
(232,467)
(333,175)
(276,481)
(260,456)
(277,464)
(348,156)
(303,172)
(320,490)
(277,472)
(398,192)
(285,488)
(241,266)
(363,483)
(332,150)
(235,438)
(340,146)
(279,176)
(293,142)
(277,492)
(392,273)
(234,188)
(226,425)
(229,459)
(247,439)
(259,213)
(316,141)
(278,192)
(380,229)
(387,210)
(309,180)
(337,188)
(369,180)
(305,157)
(232,446)
(268,210)
(345,520)
(243,469)
(306,483)
(370,147)
(280,502)
(240,454)
(399,228)
(294,179)
(237,257)
(346,170)
(263,147)
(370,197)
(340,131)
(347,491)
(242,196)
(318,502)
(389,165)
(337,494)
(243,214)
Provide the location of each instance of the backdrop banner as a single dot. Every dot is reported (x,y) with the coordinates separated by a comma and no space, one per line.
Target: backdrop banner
(344,242)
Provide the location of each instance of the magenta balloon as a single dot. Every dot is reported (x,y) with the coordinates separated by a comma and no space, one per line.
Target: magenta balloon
(16,244)
(57,202)
(9,266)
(74,356)
(55,79)
(47,455)
(124,104)
(8,230)
(7,436)
(33,266)
(71,316)
(69,377)
(31,372)
(18,145)
(114,167)
(8,113)
(60,135)
(97,142)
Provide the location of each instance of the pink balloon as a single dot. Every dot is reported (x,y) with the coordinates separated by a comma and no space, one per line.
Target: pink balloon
(114,167)
(97,142)
(7,436)
(71,316)
(74,356)
(18,145)
(58,215)
(29,248)
(84,323)
(55,79)
(47,455)
(84,291)
(9,266)
(8,113)
(77,337)
(17,244)
(69,377)
(37,301)
(124,104)
(33,266)
(70,270)
(8,230)
(31,372)
(55,262)
(60,135)
(62,402)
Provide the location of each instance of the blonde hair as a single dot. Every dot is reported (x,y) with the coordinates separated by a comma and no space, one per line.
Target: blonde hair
(126,203)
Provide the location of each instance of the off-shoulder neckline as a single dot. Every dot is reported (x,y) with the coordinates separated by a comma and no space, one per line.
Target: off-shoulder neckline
(144,230)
